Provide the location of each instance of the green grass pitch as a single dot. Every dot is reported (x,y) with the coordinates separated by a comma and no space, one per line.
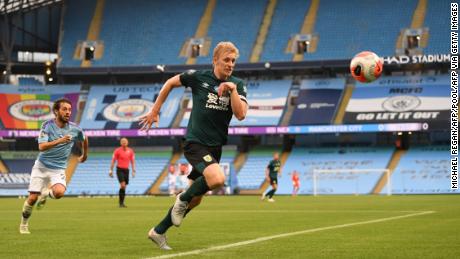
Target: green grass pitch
(97,228)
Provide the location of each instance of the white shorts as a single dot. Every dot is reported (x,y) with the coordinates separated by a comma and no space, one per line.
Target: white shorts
(42,176)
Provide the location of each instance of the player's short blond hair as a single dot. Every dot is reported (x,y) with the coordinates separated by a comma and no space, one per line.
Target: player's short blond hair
(223,47)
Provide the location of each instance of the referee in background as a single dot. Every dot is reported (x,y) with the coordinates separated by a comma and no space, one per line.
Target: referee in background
(123,155)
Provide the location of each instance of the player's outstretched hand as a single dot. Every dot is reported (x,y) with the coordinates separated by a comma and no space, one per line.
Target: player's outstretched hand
(83,158)
(147,120)
(225,87)
(111,173)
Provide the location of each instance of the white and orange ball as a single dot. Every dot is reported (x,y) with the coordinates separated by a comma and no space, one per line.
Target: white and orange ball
(366,66)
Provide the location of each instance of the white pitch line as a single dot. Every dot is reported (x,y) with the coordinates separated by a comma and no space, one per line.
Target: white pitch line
(262,239)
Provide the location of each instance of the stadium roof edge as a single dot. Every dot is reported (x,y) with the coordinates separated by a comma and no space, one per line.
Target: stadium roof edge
(10,6)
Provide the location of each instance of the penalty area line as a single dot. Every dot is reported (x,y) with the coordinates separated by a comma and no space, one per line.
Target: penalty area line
(312,230)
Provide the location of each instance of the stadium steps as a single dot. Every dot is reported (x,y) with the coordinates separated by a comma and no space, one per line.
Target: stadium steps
(80,109)
(392,164)
(346,96)
(155,189)
(3,168)
(263,31)
(180,113)
(94,30)
(239,161)
(288,111)
(308,28)
(71,167)
(204,25)
(417,22)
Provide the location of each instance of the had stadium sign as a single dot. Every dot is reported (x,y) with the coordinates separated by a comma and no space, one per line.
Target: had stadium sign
(127,110)
(416,59)
(32,110)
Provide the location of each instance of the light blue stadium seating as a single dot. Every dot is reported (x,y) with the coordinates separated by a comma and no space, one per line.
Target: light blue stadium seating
(437,20)
(237,21)
(91,177)
(153,32)
(304,160)
(423,170)
(14,184)
(252,174)
(358,26)
(77,18)
(147,32)
(287,21)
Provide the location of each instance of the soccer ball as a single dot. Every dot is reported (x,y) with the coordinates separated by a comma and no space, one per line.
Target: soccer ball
(366,66)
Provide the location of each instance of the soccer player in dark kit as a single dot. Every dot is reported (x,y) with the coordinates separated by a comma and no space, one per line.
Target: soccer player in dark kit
(217,96)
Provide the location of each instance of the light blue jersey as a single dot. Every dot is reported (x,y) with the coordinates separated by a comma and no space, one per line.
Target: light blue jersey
(57,156)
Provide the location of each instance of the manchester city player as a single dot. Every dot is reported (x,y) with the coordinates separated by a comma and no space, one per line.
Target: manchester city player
(217,96)
(57,136)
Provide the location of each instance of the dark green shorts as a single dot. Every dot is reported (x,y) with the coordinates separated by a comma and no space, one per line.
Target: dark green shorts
(273,180)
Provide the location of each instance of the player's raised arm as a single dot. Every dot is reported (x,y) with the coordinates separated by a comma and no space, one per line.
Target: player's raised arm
(153,116)
(239,106)
(42,146)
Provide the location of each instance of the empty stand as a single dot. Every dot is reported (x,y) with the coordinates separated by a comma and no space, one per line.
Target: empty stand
(423,170)
(91,177)
(304,160)
(438,21)
(77,17)
(236,21)
(252,174)
(287,21)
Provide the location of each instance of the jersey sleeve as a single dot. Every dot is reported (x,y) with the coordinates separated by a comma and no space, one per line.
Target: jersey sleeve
(242,91)
(81,135)
(187,78)
(43,136)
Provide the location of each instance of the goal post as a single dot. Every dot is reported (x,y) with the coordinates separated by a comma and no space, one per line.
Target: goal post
(317,172)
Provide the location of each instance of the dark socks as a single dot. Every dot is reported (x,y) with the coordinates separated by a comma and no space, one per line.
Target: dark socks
(121,195)
(270,193)
(198,188)
(166,223)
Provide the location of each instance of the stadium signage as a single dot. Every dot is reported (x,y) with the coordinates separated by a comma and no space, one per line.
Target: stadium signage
(32,110)
(417,59)
(127,110)
(314,129)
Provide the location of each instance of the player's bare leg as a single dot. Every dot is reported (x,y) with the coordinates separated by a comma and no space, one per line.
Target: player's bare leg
(27,212)
(55,192)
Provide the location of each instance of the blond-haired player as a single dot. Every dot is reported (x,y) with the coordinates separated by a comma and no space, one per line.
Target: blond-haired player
(217,96)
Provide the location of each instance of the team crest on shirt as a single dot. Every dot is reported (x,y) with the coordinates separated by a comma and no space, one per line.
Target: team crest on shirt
(207,158)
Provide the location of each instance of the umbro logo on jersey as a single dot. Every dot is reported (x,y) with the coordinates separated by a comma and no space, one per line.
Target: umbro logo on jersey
(205,85)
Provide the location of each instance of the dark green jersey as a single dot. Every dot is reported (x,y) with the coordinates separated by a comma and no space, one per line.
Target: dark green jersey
(274,168)
(211,114)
